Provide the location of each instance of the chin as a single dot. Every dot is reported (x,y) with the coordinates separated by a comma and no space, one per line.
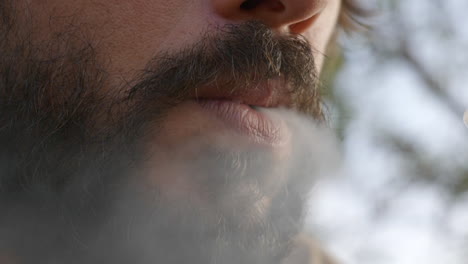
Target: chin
(204,192)
(216,193)
(215,160)
(199,158)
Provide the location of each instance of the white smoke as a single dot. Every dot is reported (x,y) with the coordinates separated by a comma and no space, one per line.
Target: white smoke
(173,196)
(465,118)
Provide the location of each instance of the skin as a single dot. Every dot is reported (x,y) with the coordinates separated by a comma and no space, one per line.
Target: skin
(127,33)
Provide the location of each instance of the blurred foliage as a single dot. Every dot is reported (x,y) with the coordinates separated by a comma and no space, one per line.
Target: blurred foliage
(402,183)
(398,34)
(334,61)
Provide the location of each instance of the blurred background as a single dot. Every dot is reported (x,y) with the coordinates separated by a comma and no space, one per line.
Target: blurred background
(396,97)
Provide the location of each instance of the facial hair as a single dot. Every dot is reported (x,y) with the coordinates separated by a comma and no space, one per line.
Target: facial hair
(71,152)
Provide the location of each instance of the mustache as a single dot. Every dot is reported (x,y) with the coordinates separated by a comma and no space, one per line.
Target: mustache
(235,57)
(60,98)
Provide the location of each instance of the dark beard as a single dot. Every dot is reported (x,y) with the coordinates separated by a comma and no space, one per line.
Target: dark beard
(70,154)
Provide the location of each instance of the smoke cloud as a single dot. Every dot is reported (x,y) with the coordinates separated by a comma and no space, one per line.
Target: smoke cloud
(258,203)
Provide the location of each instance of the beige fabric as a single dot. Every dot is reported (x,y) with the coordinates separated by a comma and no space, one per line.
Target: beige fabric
(308,251)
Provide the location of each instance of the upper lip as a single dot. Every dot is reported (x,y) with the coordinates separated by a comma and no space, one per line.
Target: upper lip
(269,93)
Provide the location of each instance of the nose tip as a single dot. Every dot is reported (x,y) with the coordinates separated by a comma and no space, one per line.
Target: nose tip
(296,16)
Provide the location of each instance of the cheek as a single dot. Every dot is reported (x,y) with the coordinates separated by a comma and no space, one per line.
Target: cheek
(320,33)
(126,33)
(135,31)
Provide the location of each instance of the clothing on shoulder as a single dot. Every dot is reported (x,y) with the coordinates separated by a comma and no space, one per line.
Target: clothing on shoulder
(308,251)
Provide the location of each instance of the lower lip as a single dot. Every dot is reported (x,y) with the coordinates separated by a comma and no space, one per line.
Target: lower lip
(247,121)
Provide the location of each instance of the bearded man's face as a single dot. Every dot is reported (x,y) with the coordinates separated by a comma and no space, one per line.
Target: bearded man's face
(149,131)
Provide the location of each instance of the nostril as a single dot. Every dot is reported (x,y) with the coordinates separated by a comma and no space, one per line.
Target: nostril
(277,6)
(273,5)
(250,4)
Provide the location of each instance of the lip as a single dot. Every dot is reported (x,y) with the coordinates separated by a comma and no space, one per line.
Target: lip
(272,93)
(247,121)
